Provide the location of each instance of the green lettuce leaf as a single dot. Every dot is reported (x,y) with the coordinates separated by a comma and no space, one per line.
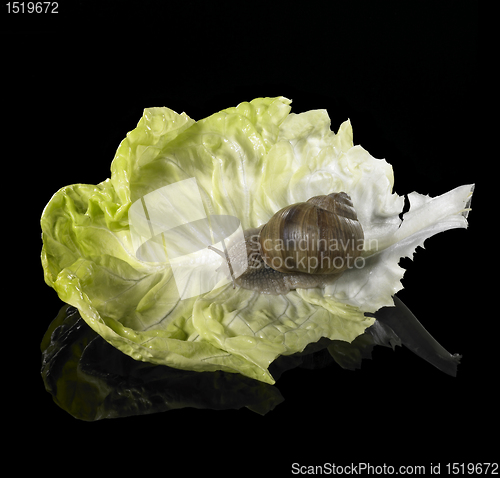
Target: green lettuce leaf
(248,162)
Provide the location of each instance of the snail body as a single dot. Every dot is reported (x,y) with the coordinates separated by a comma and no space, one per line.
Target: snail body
(304,245)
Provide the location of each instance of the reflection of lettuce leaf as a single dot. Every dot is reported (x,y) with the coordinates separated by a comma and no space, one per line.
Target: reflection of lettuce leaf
(92,380)
(248,162)
(400,320)
(350,355)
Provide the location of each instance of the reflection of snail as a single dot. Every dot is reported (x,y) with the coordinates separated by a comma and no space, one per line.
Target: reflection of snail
(304,245)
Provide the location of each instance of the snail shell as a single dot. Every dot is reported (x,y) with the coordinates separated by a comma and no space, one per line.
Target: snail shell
(304,245)
(319,236)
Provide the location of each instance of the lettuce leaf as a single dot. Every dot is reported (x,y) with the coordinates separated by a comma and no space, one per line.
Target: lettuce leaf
(248,162)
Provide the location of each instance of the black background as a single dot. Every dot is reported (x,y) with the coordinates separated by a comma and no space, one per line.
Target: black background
(405,73)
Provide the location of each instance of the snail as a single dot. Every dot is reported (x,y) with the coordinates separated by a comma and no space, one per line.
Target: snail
(304,245)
